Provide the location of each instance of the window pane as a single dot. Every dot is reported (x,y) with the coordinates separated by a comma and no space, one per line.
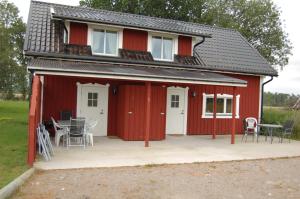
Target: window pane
(177,98)
(167,51)
(95,103)
(220,105)
(209,105)
(111,42)
(90,102)
(229,106)
(98,41)
(172,98)
(156,47)
(95,95)
(90,95)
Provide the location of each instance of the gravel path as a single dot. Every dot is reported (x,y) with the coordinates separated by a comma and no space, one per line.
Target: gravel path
(278,178)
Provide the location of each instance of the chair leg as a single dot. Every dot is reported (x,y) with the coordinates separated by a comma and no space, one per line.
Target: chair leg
(92,139)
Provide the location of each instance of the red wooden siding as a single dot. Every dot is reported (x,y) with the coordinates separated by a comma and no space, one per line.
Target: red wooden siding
(132,99)
(60,93)
(158,113)
(249,107)
(78,33)
(184,45)
(34,118)
(135,40)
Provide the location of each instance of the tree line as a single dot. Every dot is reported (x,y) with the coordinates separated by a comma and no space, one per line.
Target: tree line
(280,99)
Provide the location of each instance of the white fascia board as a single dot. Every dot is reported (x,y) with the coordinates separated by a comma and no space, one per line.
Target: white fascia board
(66,72)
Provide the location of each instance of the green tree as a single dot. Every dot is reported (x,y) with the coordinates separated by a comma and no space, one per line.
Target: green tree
(257,20)
(13,75)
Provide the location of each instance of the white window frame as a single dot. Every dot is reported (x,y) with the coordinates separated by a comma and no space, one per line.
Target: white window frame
(92,28)
(220,115)
(174,41)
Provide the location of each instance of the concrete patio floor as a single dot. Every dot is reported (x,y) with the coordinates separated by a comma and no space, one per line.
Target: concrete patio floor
(113,152)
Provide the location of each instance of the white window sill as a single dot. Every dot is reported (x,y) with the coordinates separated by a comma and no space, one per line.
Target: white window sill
(220,116)
(169,60)
(103,54)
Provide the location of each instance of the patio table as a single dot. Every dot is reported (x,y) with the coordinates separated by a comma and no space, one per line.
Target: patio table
(270,128)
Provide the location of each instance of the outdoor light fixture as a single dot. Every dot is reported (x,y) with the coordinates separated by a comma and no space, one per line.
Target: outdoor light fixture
(115,89)
(194,94)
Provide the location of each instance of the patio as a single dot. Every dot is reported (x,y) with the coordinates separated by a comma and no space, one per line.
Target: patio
(113,152)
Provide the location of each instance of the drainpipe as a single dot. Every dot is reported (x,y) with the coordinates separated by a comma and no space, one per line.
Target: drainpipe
(262,97)
(197,44)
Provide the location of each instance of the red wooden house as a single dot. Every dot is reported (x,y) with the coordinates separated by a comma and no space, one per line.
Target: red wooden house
(141,77)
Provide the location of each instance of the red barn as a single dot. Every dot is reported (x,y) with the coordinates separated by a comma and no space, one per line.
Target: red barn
(141,77)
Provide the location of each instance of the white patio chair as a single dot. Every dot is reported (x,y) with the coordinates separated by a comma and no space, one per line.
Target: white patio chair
(89,135)
(250,127)
(59,132)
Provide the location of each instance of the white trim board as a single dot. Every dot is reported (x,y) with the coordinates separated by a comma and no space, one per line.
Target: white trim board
(127,77)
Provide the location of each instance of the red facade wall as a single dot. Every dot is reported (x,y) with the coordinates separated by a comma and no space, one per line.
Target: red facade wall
(78,33)
(60,93)
(249,107)
(184,45)
(132,100)
(135,39)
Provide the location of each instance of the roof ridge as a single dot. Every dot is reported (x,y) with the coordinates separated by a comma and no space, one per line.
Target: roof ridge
(137,15)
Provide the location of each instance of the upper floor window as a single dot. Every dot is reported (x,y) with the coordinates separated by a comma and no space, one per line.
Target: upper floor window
(105,42)
(162,48)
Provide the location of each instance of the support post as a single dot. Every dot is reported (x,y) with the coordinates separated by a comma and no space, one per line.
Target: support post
(148,115)
(215,114)
(233,115)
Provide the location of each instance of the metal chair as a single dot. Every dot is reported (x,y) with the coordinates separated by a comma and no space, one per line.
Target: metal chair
(77,132)
(287,130)
(250,127)
(65,115)
(59,132)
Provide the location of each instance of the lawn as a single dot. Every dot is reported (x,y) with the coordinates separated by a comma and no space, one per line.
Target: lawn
(13,139)
(278,115)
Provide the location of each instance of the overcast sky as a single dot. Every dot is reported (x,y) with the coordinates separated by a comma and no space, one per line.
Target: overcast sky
(288,80)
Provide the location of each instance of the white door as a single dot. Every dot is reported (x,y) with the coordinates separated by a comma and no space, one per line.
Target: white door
(176,110)
(92,104)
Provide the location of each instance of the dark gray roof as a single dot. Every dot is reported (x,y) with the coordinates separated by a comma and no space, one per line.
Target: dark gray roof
(126,19)
(162,74)
(227,50)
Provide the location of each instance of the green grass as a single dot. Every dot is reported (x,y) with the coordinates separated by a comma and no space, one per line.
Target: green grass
(13,140)
(278,115)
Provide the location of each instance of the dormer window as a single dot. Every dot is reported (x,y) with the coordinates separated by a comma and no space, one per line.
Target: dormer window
(162,48)
(104,42)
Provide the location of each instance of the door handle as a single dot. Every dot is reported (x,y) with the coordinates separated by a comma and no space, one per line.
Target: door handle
(129,112)
(182,112)
(162,113)
(101,112)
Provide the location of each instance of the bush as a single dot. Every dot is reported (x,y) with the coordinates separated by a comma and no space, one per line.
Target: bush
(275,115)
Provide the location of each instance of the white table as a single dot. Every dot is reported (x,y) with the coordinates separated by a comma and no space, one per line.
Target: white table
(270,128)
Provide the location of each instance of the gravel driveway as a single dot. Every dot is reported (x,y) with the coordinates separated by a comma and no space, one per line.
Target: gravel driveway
(277,178)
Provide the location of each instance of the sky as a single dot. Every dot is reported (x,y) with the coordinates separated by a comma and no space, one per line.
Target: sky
(289,78)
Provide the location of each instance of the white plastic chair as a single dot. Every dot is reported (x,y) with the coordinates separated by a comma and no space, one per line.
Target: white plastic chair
(59,132)
(89,135)
(250,127)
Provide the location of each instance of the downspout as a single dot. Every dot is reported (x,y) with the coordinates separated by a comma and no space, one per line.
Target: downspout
(197,44)
(262,97)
